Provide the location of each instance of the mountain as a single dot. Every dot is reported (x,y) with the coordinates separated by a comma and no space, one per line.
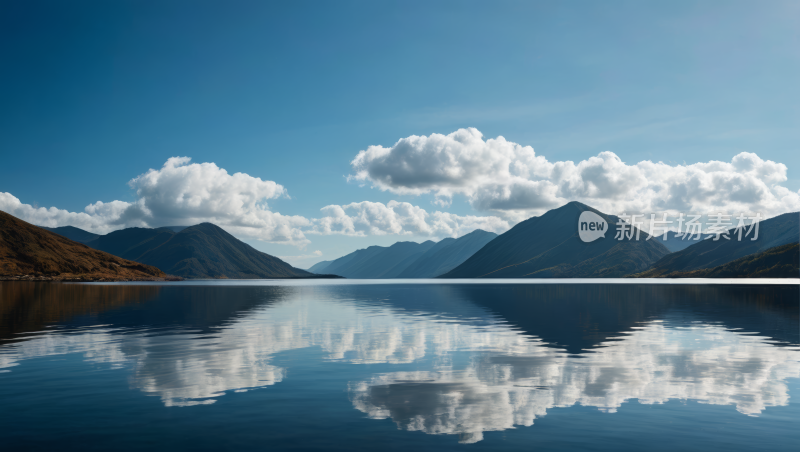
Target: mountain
(319,267)
(447,255)
(201,251)
(378,261)
(773,232)
(176,228)
(549,247)
(675,244)
(81,236)
(73,233)
(777,262)
(131,243)
(28,250)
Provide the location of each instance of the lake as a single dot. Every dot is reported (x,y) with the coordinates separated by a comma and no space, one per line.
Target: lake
(349,365)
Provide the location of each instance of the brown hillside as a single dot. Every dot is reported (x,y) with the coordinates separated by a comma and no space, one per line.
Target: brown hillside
(28,251)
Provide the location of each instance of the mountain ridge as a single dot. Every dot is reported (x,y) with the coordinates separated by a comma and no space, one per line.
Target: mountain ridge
(407,259)
(30,252)
(548,246)
(447,254)
(781,261)
(376,262)
(676,243)
(200,251)
(73,233)
(709,253)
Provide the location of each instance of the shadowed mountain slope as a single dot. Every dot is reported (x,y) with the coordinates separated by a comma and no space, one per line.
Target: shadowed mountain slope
(26,249)
(778,262)
(319,267)
(132,243)
(201,251)
(378,261)
(447,255)
(677,243)
(550,247)
(73,233)
(708,253)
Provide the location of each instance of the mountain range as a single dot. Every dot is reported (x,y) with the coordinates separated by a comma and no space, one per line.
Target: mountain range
(447,255)
(709,253)
(407,259)
(73,233)
(675,242)
(776,262)
(376,261)
(30,252)
(201,251)
(549,246)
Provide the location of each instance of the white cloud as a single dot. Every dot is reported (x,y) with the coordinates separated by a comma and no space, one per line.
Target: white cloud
(181,193)
(511,179)
(495,175)
(99,217)
(375,218)
(198,192)
(184,193)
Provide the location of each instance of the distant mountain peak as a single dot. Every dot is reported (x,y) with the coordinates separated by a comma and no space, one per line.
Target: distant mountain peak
(406,259)
(548,246)
(204,250)
(478,232)
(578,204)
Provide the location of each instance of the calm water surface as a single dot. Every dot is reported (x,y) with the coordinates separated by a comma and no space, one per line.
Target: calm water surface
(310,365)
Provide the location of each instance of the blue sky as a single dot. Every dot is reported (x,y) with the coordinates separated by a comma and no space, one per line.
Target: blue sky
(97,93)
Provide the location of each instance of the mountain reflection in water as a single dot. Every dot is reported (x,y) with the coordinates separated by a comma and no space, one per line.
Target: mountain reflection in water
(494,357)
(518,382)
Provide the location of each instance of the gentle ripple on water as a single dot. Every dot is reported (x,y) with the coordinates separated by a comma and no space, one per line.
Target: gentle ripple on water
(467,364)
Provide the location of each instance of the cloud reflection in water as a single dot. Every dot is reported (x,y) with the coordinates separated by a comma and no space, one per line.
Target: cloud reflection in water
(485,376)
(653,364)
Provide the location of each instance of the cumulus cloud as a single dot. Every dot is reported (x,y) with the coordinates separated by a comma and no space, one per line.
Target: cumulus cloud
(511,179)
(99,217)
(507,179)
(185,193)
(181,193)
(375,218)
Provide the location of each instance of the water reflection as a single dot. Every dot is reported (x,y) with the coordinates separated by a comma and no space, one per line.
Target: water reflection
(653,364)
(32,306)
(192,367)
(478,371)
